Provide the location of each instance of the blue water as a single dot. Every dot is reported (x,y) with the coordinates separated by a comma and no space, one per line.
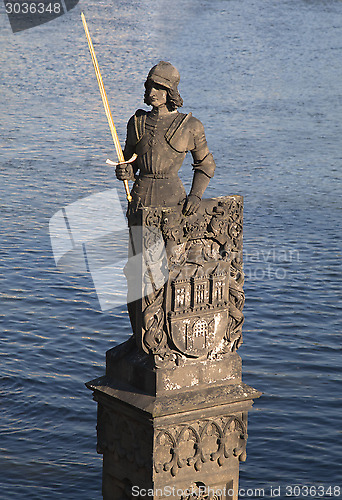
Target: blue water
(265,79)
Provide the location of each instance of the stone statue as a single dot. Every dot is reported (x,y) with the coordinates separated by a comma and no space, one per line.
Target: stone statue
(197,310)
(172,402)
(161,139)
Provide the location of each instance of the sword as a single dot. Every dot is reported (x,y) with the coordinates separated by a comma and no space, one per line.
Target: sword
(107,110)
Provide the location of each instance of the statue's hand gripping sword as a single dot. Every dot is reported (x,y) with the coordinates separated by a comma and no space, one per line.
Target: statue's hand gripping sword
(107,110)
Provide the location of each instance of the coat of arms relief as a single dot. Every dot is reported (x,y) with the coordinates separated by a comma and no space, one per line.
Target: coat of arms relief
(197,311)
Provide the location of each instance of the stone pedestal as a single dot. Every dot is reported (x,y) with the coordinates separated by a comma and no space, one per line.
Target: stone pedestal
(172,407)
(180,439)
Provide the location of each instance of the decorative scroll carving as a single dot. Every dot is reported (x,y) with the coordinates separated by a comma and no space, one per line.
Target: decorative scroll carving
(154,338)
(195,444)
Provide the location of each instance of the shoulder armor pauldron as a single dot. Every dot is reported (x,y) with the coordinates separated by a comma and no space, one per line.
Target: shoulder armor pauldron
(175,135)
(139,123)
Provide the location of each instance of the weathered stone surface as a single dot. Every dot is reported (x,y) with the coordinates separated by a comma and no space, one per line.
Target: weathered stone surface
(138,370)
(176,402)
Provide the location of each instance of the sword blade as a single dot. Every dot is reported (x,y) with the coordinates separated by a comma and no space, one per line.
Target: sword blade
(108,112)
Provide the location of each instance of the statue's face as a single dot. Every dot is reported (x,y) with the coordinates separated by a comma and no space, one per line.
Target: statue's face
(157,95)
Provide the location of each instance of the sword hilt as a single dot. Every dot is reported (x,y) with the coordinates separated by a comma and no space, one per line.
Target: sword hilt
(114,164)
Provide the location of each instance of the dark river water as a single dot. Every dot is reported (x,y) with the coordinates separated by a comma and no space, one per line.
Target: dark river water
(264,76)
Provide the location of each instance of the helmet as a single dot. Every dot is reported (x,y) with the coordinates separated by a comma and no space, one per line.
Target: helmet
(164,74)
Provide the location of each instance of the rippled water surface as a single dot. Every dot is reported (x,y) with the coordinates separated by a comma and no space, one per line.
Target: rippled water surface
(265,78)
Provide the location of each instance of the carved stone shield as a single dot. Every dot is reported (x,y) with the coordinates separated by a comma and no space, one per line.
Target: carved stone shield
(199,307)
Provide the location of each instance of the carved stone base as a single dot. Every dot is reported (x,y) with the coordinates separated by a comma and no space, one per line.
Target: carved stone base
(127,364)
(186,441)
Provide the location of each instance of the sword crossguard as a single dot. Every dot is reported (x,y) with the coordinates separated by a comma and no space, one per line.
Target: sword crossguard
(115,164)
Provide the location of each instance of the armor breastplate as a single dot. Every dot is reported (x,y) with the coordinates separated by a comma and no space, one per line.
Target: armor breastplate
(174,136)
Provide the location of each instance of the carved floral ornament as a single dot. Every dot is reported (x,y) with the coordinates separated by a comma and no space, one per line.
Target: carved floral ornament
(222,222)
(190,445)
(195,444)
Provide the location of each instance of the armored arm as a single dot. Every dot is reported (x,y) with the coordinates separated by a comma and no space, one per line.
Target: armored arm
(204,168)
